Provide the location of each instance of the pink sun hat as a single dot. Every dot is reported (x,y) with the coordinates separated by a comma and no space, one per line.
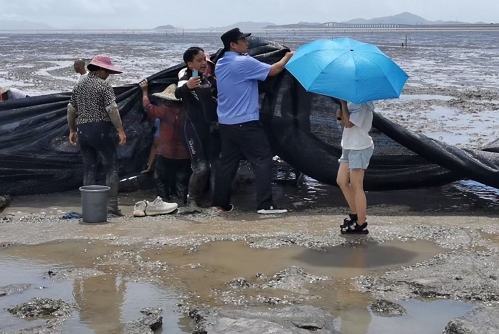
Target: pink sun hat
(103,61)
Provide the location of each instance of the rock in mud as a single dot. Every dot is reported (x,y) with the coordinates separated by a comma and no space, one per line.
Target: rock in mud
(41,307)
(50,327)
(290,320)
(13,288)
(239,283)
(291,279)
(480,320)
(465,275)
(145,325)
(386,308)
(4,201)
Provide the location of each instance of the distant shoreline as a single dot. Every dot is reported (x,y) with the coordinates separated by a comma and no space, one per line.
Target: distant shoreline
(418,28)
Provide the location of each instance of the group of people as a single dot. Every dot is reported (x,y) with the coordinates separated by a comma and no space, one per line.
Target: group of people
(208,122)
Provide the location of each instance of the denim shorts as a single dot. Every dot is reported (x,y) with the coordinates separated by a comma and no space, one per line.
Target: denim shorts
(356,159)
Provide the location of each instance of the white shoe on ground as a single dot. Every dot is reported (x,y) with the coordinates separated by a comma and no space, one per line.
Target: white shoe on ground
(271,210)
(139,210)
(158,207)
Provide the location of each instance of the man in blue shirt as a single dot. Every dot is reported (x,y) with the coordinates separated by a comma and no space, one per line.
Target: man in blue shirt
(238,114)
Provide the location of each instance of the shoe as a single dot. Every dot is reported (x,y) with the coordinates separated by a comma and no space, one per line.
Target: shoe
(139,210)
(271,210)
(158,207)
(112,207)
(115,212)
(349,222)
(356,229)
(192,207)
(218,210)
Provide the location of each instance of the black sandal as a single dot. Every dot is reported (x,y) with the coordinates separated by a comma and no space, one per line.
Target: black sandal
(349,222)
(356,229)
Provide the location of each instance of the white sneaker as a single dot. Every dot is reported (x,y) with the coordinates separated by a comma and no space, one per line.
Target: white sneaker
(271,210)
(158,207)
(139,209)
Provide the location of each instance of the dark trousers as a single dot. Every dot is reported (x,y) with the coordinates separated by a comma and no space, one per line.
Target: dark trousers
(172,177)
(248,140)
(98,143)
(197,136)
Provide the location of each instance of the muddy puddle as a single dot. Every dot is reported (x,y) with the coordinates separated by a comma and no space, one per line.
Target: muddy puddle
(103,302)
(421,317)
(109,285)
(227,260)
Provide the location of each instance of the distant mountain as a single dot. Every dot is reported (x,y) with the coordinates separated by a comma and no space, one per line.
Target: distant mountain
(165,27)
(23,25)
(244,26)
(299,25)
(403,18)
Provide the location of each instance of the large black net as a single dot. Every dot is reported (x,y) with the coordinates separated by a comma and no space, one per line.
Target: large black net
(36,157)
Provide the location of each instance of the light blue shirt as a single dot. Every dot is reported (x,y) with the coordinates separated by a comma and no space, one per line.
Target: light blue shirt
(237,84)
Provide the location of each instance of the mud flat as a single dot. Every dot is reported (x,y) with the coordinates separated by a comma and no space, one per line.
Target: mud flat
(428,264)
(292,274)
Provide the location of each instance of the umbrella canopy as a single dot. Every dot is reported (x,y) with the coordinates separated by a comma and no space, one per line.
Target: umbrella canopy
(347,69)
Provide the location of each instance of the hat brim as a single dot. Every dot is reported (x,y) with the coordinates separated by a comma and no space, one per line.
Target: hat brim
(110,69)
(167,97)
(244,36)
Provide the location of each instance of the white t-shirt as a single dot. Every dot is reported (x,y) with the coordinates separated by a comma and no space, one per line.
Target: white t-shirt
(82,76)
(15,94)
(357,137)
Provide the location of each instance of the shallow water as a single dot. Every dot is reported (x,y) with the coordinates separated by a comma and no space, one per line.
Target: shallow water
(234,259)
(103,302)
(422,317)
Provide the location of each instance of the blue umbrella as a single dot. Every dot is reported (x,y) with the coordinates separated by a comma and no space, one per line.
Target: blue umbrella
(347,69)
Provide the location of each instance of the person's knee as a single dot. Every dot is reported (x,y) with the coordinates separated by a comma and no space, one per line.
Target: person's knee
(342,181)
(201,168)
(343,177)
(357,179)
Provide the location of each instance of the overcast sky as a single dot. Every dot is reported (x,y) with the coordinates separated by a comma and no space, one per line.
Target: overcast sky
(145,14)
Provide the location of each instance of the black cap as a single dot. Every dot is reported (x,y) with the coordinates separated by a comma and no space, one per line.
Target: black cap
(232,35)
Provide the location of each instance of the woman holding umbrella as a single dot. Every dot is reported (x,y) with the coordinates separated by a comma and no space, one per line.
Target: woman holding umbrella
(358,73)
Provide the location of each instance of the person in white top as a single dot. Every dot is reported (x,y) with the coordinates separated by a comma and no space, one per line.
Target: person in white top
(79,67)
(357,150)
(7,93)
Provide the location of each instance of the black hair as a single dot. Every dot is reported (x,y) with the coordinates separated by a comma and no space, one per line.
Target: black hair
(80,62)
(191,52)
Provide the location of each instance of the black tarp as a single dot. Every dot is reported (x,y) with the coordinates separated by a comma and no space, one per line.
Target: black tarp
(36,157)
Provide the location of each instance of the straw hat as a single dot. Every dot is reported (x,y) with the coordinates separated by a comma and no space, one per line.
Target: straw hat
(103,61)
(168,93)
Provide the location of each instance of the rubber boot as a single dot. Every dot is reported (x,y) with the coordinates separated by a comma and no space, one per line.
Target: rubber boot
(192,207)
(113,184)
(113,208)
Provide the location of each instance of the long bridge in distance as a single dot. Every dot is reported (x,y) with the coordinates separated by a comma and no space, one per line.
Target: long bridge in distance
(327,26)
(340,25)
(363,26)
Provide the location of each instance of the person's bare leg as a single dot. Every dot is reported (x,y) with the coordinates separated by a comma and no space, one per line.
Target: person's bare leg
(357,186)
(343,180)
